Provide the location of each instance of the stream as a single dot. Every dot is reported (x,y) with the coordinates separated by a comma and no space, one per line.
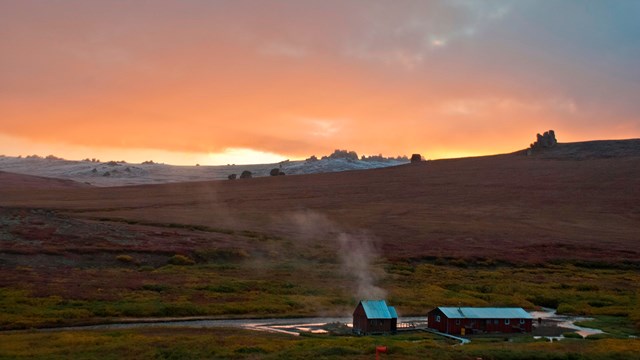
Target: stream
(291,326)
(294,326)
(564,321)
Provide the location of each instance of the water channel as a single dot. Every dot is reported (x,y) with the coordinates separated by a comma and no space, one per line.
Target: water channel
(295,326)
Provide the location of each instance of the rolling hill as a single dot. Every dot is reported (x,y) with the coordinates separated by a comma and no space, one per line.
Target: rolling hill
(13,181)
(516,208)
(119,173)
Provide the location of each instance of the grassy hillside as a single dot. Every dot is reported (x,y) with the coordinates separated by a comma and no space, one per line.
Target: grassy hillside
(244,344)
(508,208)
(502,230)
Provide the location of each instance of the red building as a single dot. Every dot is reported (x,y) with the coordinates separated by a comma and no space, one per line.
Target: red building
(374,317)
(452,320)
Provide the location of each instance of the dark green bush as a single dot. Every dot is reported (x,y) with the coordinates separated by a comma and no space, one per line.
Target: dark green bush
(127,259)
(572,335)
(544,301)
(251,350)
(181,260)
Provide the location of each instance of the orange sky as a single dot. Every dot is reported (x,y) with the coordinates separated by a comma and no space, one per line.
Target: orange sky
(253,81)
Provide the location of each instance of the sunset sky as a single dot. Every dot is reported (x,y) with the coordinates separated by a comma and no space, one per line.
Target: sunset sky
(216,82)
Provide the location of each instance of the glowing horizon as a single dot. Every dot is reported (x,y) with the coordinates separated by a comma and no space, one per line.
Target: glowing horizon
(232,156)
(188,82)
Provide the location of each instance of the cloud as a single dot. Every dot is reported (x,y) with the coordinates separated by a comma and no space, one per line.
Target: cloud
(487,106)
(323,127)
(373,76)
(281,49)
(408,36)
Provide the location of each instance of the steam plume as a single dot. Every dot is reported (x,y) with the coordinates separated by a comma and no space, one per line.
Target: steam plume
(356,251)
(357,254)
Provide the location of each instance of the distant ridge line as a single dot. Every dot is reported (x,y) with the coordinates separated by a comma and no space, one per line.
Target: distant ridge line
(593,149)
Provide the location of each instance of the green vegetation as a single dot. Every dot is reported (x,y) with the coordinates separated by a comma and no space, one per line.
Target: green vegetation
(242,286)
(181,260)
(613,326)
(186,343)
(255,288)
(247,274)
(572,335)
(609,292)
(499,231)
(125,259)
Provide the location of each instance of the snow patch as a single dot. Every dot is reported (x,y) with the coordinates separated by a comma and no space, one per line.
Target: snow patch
(120,173)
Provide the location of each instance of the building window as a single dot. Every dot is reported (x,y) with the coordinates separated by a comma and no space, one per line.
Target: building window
(507,321)
(438,318)
(457,321)
(496,321)
(521,321)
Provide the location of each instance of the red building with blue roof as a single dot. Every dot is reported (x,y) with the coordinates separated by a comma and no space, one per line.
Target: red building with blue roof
(452,320)
(374,317)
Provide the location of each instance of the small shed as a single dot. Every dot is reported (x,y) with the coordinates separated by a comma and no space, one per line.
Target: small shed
(469,320)
(374,317)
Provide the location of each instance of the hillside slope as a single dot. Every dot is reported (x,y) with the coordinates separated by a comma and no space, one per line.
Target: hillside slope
(12,181)
(507,207)
(114,173)
(598,149)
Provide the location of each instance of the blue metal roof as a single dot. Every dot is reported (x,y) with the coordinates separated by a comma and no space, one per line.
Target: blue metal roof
(378,309)
(392,312)
(484,313)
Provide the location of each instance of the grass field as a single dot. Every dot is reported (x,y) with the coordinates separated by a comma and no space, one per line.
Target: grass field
(158,343)
(302,288)
(494,231)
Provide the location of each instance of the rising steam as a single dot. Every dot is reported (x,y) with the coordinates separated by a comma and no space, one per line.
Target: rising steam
(357,253)
(356,250)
